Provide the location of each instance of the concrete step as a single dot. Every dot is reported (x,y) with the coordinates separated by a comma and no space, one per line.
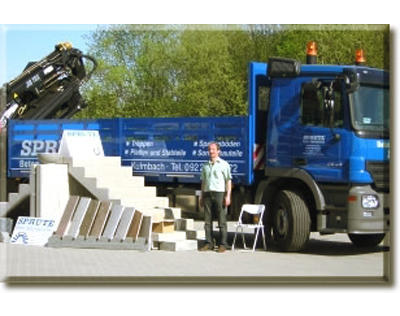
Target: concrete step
(107,179)
(112,182)
(5,237)
(93,243)
(141,198)
(195,234)
(131,182)
(12,197)
(99,193)
(184,224)
(182,245)
(112,161)
(3,209)
(171,212)
(141,203)
(6,225)
(125,184)
(89,184)
(106,171)
(15,199)
(97,172)
(173,236)
(24,188)
(155,214)
(137,193)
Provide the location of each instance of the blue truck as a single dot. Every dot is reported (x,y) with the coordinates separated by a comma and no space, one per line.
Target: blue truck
(314,148)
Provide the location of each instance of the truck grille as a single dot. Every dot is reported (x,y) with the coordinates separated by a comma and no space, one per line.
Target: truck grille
(380,174)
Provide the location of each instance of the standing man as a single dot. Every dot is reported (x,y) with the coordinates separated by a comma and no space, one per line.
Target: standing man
(216,183)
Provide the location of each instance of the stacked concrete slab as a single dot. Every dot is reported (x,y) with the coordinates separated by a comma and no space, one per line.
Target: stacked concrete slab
(50,190)
(88,223)
(181,237)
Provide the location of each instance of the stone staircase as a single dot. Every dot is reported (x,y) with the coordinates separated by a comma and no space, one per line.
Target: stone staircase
(183,237)
(15,199)
(105,179)
(7,218)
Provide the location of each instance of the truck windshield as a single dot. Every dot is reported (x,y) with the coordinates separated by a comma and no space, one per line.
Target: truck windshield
(370,109)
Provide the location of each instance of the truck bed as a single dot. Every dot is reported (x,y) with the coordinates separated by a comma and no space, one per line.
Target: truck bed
(161,149)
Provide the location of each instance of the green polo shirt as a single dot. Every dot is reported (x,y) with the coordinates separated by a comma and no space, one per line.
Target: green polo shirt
(215,176)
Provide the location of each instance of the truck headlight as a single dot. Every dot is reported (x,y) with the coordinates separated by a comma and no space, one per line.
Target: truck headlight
(369,201)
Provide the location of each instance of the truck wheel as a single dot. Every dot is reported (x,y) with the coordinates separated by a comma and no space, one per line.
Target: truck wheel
(290,221)
(366,240)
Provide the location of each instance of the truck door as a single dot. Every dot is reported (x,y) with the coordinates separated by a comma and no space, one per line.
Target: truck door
(320,137)
(262,103)
(259,107)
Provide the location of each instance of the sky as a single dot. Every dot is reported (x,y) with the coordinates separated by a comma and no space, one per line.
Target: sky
(21,44)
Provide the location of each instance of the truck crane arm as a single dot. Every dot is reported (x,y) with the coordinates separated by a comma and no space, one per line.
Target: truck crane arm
(49,88)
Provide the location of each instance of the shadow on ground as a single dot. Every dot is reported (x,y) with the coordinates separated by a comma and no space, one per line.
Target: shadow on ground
(314,246)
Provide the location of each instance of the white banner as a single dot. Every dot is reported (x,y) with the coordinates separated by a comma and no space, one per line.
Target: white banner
(32,231)
(81,144)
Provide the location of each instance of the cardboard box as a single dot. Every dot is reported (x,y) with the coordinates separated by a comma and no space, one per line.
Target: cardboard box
(163,227)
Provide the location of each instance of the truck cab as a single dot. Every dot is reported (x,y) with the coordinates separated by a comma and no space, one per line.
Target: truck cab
(325,130)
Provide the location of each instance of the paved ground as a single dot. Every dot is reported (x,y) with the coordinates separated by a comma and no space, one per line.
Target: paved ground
(331,256)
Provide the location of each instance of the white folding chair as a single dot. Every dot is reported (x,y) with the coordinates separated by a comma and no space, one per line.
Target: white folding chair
(254,209)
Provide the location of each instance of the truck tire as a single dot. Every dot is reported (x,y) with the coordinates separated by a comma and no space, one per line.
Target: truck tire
(366,240)
(290,221)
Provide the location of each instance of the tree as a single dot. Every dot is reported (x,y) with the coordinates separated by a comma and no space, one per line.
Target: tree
(336,43)
(134,77)
(178,70)
(166,71)
(208,80)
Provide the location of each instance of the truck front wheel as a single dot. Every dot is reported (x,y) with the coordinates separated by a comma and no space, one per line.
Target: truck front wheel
(366,240)
(290,221)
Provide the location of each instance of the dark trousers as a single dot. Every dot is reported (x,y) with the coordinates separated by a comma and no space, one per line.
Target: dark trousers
(214,206)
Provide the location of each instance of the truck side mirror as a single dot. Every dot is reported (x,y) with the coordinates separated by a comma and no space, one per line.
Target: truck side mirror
(279,67)
(351,81)
(329,105)
(329,108)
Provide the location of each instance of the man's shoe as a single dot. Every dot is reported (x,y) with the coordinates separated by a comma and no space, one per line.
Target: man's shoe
(221,249)
(205,247)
